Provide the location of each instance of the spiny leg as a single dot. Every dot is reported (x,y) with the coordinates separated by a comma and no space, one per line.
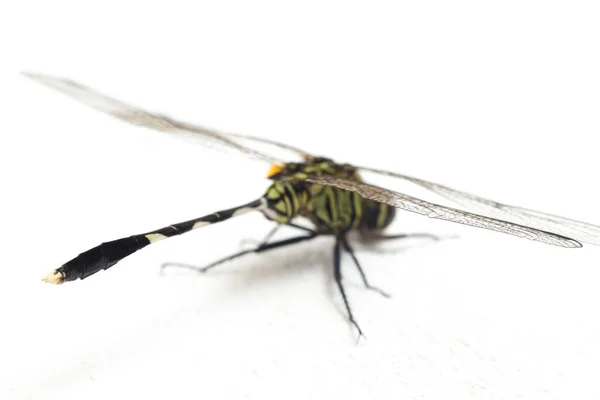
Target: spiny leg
(108,254)
(262,247)
(337,274)
(360,270)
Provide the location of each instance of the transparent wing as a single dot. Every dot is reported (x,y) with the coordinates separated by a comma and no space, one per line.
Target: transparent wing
(581,231)
(431,210)
(283,146)
(141,117)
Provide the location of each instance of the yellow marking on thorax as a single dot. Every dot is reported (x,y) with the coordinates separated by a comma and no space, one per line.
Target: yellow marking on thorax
(283,197)
(294,196)
(383,212)
(280,206)
(358,208)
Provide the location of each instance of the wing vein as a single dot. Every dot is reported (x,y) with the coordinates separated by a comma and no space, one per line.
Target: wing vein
(431,210)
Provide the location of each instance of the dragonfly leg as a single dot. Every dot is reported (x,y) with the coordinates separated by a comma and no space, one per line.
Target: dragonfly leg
(405,236)
(360,270)
(337,274)
(265,240)
(259,249)
(271,233)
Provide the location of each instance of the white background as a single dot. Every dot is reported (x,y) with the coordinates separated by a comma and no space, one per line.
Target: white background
(500,99)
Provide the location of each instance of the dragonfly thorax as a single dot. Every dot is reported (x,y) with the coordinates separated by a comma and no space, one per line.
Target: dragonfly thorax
(330,209)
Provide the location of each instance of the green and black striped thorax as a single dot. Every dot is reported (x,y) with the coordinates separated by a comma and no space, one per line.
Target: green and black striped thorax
(330,209)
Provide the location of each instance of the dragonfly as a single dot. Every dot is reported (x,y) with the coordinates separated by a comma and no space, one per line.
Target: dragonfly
(331,196)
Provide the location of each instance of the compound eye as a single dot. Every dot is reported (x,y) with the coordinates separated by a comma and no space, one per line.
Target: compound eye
(275,169)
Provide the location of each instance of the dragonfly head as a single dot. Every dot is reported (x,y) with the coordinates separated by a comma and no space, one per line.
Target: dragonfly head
(313,166)
(277,171)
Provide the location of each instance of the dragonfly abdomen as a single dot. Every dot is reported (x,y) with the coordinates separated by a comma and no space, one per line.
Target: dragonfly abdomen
(108,254)
(100,257)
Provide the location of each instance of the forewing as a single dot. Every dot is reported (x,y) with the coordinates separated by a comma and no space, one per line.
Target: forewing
(287,152)
(140,117)
(581,231)
(431,210)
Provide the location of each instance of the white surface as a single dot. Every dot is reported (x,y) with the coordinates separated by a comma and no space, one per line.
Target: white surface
(501,100)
